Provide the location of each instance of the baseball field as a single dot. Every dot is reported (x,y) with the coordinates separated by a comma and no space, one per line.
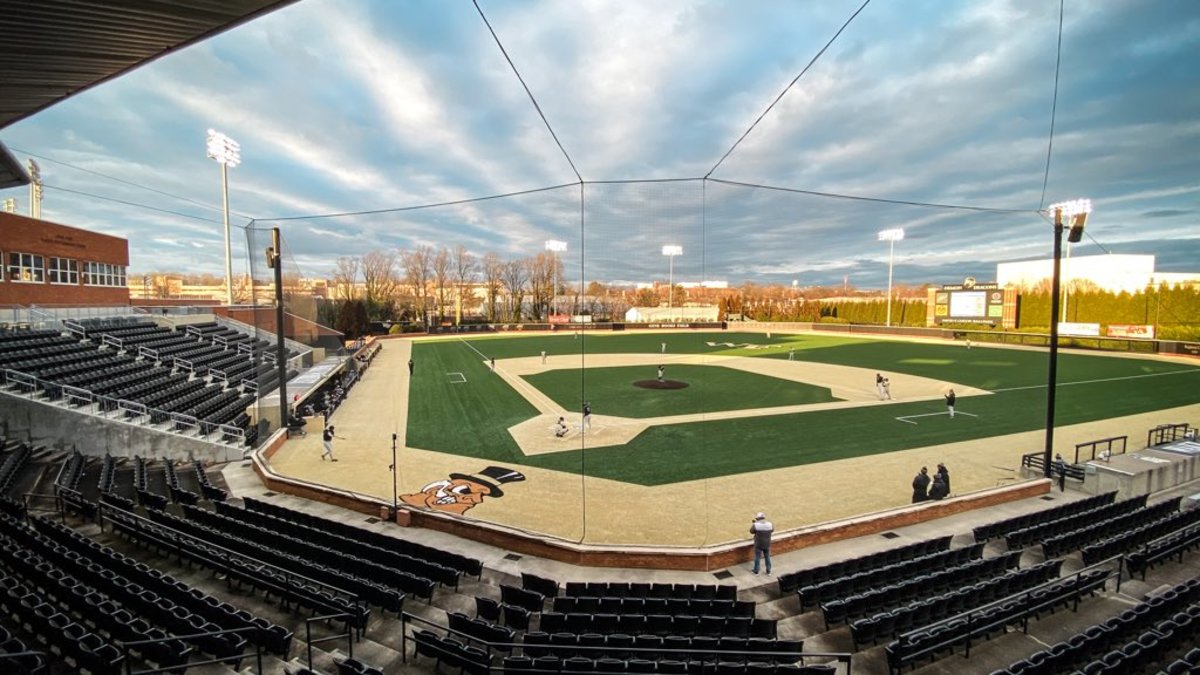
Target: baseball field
(790,424)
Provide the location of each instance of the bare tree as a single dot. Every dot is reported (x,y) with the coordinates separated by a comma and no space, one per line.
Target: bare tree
(441,275)
(545,276)
(417,264)
(465,271)
(379,276)
(515,278)
(493,271)
(345,275)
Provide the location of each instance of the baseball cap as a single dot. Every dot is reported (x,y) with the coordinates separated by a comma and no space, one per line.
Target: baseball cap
(760,516)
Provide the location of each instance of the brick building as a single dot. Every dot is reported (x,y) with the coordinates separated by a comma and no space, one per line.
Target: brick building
(50,264)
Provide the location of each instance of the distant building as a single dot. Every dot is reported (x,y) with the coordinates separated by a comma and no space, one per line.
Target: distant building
(47,264)
(1114,272)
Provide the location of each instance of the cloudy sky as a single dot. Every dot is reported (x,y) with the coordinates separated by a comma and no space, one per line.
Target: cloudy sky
(374,106)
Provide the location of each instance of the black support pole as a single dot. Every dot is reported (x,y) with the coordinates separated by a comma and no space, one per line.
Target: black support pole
(280,347)
(1052,374)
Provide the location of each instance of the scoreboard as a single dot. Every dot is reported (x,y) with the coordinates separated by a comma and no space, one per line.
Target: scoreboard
(972,302)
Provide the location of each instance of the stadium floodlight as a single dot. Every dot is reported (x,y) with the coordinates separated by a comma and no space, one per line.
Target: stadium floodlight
(556,246)
(891,236)
(1076,211)
(226,152)
(671,250)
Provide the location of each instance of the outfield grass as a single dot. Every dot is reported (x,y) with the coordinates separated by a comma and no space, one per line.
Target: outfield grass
(710,388)
(472,419)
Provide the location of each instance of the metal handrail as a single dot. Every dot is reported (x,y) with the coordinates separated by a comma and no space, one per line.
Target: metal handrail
(349,634)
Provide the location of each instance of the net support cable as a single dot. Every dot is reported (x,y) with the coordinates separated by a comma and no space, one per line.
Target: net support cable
(1053,105)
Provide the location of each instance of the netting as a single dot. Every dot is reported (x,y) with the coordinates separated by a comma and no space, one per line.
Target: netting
(545,302)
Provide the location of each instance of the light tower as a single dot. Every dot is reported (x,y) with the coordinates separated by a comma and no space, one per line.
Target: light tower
(226,152)
(671,251)
(891,236)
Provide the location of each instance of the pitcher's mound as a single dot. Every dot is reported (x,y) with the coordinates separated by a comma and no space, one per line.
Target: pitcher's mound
(665,384)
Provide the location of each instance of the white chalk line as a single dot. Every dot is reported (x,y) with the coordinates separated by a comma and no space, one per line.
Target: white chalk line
(462,379)
(906,418)
(1103,379)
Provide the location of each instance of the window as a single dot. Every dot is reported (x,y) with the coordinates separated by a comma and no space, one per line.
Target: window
(26,268)
(63,271)
(103,274)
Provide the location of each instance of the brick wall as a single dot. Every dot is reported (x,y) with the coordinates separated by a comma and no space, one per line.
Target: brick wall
(40,237)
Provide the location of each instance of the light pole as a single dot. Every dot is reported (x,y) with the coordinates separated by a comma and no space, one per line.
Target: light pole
(671,251)
(1077,212)
(555,246)
(891,236)
(227,153)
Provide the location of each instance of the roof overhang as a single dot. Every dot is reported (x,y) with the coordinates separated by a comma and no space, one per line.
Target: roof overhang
(51,50)
(12,174)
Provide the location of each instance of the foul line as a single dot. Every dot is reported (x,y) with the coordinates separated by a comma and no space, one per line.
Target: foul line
(481,354)
(1103,379)
(906,418)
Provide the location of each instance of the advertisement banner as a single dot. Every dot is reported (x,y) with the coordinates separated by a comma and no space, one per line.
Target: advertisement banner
(1131,331)
(1079,329)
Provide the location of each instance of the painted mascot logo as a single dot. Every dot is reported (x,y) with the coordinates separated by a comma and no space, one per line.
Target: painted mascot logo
(461,492)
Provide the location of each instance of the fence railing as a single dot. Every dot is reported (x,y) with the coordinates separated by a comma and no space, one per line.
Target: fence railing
(132,412)
(1103,448)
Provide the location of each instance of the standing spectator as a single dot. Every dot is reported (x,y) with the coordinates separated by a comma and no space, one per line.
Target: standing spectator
(1060,470)
(921,486)
(327,440)
(762,529)
(938,490)
(950,398)
(410,366)
(587,416)
(945,474)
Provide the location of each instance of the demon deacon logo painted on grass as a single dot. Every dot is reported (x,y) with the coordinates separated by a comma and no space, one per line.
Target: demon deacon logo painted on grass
(461,492)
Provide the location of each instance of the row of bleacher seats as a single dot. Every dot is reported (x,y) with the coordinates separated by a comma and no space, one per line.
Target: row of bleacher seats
(1162,549)
(292,588)
(63,360)
(888,624)
(1076,539)
(179,494)
(904,590)
(1051,527)
(791,581)
(621,589)
(423,571)
(934,640)
(636,605)
(1001,528)
(58,633)
(1139,640)
(16,656)
(1121,542)
(376,584)
(657,624)
(830,589)
(464,564)
(274,638)
(210,491)
(653,647)
(13,463)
